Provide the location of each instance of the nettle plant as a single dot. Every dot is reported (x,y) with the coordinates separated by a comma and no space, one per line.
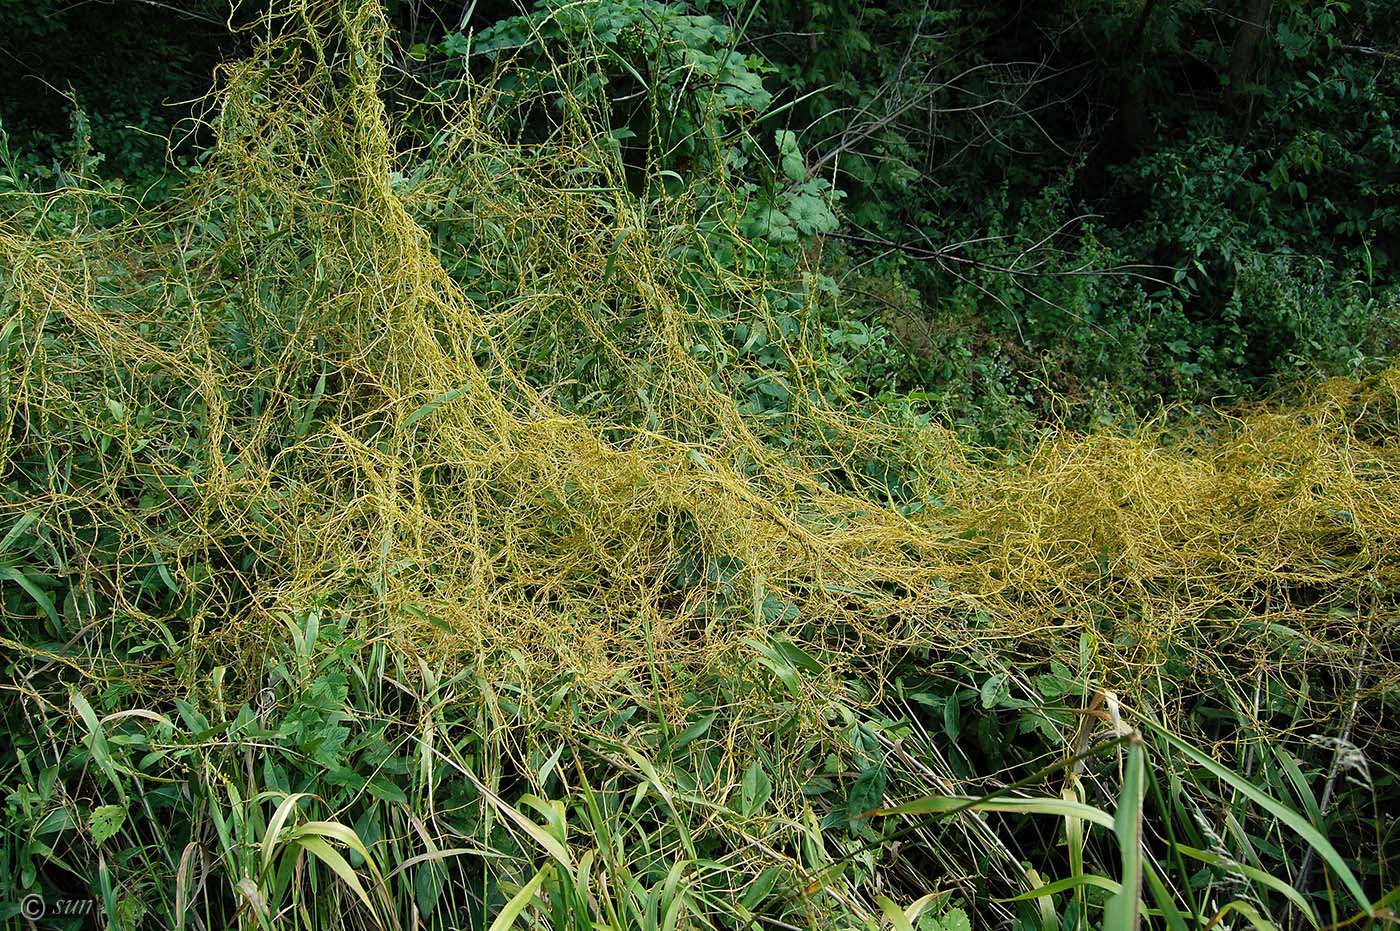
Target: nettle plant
(663,125)
(683,106)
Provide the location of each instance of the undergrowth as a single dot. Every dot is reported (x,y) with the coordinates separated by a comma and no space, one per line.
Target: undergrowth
(426,528)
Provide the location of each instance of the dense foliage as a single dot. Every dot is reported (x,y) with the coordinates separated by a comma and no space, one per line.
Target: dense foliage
(631,465)
(1152,200)
(1110,203)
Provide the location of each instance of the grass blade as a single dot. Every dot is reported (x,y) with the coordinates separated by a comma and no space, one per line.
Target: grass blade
(1122,911)
(517,902)
(1288,816)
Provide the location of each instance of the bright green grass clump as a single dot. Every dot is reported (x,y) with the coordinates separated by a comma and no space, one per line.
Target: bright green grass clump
(497,488)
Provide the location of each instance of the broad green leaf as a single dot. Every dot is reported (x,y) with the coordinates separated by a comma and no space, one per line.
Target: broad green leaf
(996,690)
(695,730)
(317,846)
(778,665)
(760,888)
(867,793)
(519,901)
(790,156)
(955,919)
(40,597)
(898,920)
(386,790)
(105,821)
(754,789)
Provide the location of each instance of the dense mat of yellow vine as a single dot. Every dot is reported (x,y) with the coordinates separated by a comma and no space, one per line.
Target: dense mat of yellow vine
(299,406)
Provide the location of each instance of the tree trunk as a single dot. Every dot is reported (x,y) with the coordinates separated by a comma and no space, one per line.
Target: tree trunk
(1244,62)
(1132,120)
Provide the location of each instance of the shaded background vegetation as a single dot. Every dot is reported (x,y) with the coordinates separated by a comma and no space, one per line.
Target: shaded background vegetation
(1111,203)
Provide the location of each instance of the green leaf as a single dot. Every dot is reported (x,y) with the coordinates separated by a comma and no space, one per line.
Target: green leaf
(284,811)
(810,214)
(1122,912)
(755,789)
(445,397)
(40,597)
(1251,914)
(105,821)
(695,730)
(948,804)
(1255,874)
(551,844)
(955,919)
(519,901)
(25,521)
(996,690)
(427,887)
(790,156)
(776,610)
(385,790)
(760,888)
(1164,897)
(1335,861)
(316,845)
(867,793)
(898,920)
(1063,885)
(97,741)
(778,665)
(614,252)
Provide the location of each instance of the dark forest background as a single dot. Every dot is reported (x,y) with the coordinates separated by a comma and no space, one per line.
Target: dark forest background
(1112,203)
